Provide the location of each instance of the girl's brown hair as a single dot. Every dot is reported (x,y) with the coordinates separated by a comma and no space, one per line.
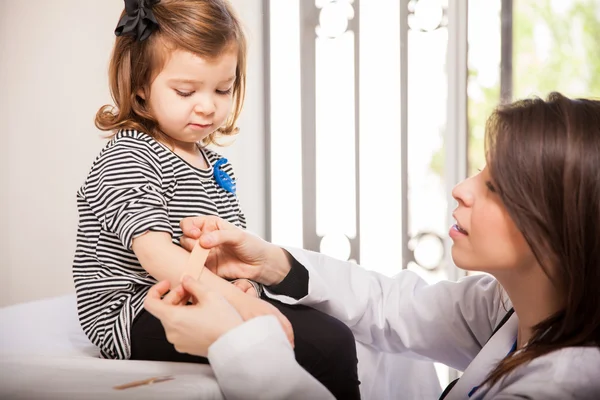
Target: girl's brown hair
(544,158)
(206,28)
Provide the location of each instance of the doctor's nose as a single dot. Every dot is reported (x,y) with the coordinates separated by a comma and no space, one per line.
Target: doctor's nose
(205,105)
(463,194)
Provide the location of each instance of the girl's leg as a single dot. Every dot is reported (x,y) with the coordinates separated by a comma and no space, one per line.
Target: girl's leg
(149,342)
(324,347)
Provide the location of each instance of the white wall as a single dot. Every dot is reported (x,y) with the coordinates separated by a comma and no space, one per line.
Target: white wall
(248,152)
(53,78)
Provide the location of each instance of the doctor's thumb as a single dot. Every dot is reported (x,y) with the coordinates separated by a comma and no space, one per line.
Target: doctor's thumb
(216,238)
(194,288)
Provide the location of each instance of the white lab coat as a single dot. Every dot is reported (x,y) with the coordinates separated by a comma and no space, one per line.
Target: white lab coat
(449,322)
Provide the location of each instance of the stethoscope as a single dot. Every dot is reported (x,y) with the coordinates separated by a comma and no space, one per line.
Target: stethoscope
(512,350)
(475,388)
(222,178)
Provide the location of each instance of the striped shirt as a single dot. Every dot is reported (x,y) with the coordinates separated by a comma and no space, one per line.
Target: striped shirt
(135,185)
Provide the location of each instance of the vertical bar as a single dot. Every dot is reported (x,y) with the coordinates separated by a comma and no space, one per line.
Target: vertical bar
(354,25)
(266,23)
(506,57)
(455,142)
(456,132)
(404,129)
(308,21)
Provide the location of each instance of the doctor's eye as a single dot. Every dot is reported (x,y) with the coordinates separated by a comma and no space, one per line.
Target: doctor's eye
(490,186)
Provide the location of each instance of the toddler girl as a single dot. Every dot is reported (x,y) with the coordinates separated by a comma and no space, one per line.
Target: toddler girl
(177,77)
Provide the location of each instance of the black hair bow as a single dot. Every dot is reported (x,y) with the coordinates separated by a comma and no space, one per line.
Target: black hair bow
(138,19)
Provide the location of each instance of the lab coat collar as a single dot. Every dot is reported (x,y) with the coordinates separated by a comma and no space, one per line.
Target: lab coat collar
(497,347)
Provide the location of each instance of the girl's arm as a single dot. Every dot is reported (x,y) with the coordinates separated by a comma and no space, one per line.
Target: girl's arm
(164,260)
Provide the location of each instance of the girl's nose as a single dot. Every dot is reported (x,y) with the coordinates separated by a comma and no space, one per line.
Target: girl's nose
(205,105)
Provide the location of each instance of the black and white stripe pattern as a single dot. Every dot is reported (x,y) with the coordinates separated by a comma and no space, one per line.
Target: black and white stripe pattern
(136,184)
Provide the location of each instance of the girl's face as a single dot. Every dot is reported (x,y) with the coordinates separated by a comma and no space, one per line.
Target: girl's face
(485,237)
(192,97)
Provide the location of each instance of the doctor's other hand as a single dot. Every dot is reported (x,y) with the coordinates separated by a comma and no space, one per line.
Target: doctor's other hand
(235,253)
(191,328)
(251,307)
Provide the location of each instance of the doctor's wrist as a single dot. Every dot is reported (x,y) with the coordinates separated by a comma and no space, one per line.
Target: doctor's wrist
(295,283)
(276,267)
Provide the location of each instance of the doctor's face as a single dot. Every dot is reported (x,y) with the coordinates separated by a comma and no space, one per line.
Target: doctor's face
(484,237)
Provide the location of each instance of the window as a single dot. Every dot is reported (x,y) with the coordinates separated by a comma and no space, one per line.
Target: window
(377,110)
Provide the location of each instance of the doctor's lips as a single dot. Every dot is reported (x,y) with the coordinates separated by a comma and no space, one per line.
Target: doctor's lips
(459,228)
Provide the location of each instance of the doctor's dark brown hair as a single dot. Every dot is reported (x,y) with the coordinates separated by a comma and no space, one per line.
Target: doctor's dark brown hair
(544,159)
(206,28)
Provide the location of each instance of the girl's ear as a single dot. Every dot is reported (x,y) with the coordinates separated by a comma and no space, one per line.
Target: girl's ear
(141,93)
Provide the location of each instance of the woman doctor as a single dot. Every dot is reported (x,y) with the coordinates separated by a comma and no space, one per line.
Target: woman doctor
(529,329)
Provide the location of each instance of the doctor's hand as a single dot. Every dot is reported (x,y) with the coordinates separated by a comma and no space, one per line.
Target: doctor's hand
(252,307)
(191,328)
(235,253)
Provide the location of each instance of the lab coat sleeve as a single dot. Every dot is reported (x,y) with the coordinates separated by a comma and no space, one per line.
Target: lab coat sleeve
(447,322)
(256,361)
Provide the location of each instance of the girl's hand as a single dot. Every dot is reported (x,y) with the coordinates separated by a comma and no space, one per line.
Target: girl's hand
(245,286)
(193,328)
(235,253)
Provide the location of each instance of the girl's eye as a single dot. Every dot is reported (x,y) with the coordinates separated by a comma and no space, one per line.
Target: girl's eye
(490,186)
(183,94)
(225,92)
